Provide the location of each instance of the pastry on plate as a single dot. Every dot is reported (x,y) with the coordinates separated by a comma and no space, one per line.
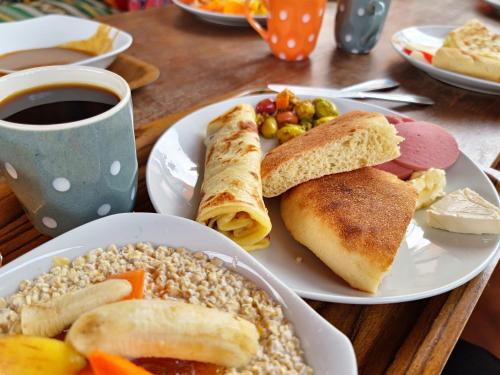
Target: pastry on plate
(231,194)
(351,141)
(472,50)
(353,221)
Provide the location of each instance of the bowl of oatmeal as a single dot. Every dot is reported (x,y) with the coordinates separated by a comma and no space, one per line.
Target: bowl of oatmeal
(205,306)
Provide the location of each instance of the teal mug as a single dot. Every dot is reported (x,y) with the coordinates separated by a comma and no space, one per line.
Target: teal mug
(67,174)
(359,23)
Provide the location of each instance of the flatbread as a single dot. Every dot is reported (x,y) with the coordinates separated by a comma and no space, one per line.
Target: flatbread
(353,221)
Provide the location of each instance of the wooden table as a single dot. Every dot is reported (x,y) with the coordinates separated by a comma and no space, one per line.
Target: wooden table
(200,61)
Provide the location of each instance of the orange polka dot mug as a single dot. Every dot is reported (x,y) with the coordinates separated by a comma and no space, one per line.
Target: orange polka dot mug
(292,26)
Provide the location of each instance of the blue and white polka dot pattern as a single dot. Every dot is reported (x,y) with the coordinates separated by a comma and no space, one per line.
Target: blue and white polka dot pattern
(63,185)
(11,171)
(359,23)
(115,167)
(49,222)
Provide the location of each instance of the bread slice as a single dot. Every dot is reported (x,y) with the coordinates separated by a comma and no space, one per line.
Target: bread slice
(354,140)
(354,222)
(472,50)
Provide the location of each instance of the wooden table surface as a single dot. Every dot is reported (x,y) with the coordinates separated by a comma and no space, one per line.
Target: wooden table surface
(200,61)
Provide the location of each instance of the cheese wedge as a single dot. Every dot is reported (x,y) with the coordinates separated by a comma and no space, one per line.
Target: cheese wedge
(464,211)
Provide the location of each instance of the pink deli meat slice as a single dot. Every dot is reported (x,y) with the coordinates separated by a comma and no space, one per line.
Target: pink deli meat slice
(396,169)
(426,146)
(393,119)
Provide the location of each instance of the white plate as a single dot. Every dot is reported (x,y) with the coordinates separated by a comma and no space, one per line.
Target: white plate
(327,350)
(216,17)
(429,261)
(50,31)
(433,36)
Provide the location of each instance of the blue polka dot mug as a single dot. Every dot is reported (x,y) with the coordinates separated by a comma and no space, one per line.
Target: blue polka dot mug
(71,173)
(359,23)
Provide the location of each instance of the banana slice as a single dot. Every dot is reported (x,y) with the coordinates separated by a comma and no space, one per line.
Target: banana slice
(26,355)
(160,328)
(52,317)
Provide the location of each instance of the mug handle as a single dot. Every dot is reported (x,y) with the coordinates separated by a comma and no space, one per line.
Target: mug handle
(378,16)
(256,26)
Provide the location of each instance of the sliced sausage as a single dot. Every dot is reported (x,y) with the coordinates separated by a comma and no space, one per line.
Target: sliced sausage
(426,146)
(396,169)
(393,119)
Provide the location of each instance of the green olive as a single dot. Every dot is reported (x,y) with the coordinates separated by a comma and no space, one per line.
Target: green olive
(323,120)
(324,108)
(306,124)
(305,110)
(289,131)
(269,128)
(259,119)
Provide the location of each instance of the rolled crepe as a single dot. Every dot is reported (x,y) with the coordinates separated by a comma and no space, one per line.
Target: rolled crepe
(231,193)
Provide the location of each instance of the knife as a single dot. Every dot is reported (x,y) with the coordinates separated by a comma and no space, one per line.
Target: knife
(372,85)
(333,93)
(492,172)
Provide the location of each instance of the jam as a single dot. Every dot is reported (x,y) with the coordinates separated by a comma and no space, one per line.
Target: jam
(169,366)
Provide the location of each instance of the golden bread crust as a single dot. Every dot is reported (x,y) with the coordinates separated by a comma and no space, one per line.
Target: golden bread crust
(368,210)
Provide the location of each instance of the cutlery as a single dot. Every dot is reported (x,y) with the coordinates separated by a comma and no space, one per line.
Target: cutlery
(404,98)
(491,172)
(372,85)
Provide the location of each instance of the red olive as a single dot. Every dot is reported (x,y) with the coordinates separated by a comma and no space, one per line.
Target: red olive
(266,106)
(288,117)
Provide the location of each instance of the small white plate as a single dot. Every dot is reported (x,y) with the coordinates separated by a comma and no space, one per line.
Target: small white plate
(433,36)
(327,350)
(216,17)
(50,31)
(429,262)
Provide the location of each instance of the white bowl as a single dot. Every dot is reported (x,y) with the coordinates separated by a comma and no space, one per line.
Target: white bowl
(327,350)
(50,31)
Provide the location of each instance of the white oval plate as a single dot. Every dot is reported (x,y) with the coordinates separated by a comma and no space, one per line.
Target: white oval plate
(216,17)
(327,350)
(52,30)
(433,36)
(429,261)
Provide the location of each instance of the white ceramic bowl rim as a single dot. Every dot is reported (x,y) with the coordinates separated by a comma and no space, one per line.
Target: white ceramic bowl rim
(102,56)
(327,349)
(34,77)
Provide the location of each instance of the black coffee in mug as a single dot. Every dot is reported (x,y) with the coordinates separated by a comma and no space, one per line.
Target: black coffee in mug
(57,104)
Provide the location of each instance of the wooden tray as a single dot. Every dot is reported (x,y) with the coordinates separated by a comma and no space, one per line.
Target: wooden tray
(136,72)
(412,337)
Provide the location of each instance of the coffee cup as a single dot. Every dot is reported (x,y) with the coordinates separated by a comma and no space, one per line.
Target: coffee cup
(68,172)
(293,27)
(359,23)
